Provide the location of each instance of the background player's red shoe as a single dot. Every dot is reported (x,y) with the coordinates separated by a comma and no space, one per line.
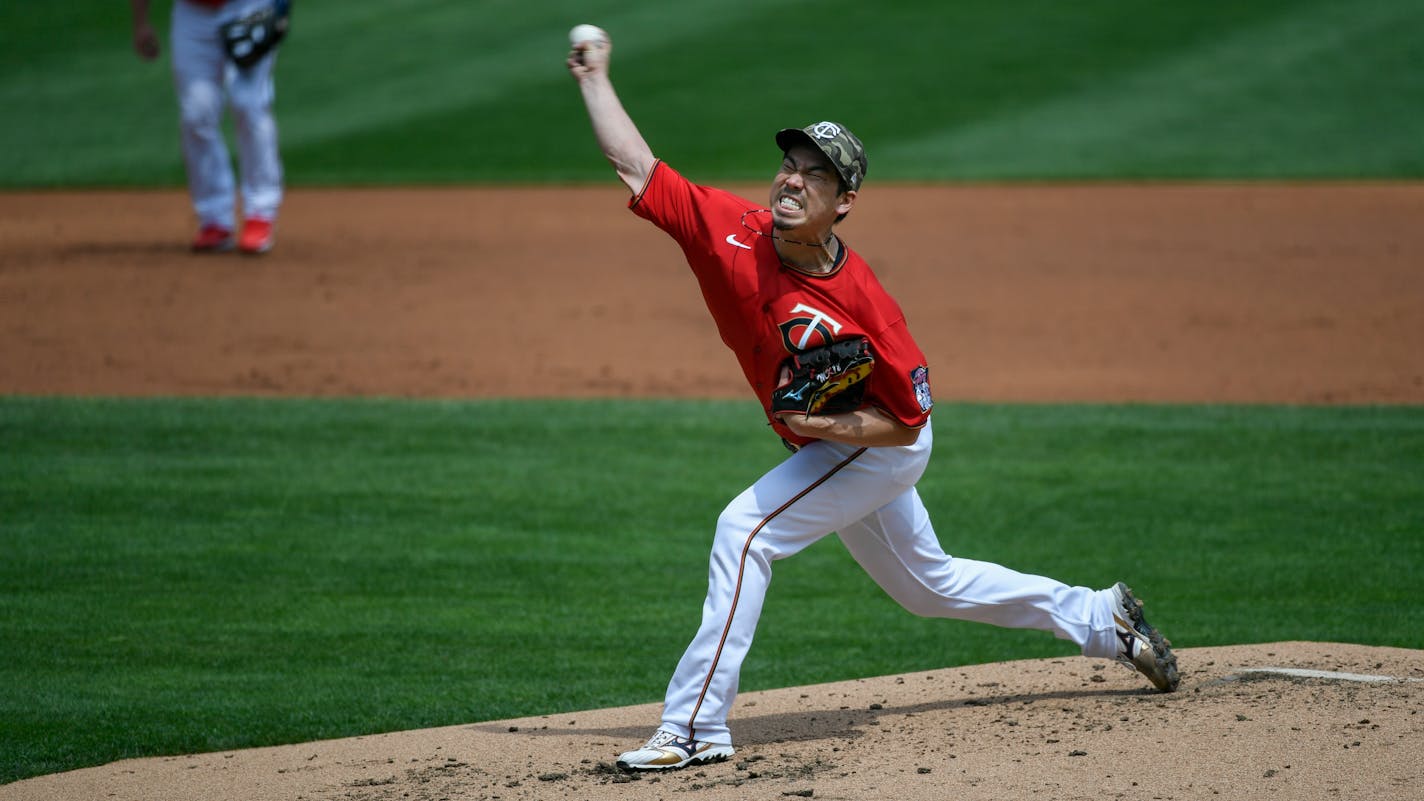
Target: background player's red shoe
(212,238)
(256,236)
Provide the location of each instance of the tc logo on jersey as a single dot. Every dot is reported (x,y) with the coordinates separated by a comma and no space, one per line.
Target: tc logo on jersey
(812,330)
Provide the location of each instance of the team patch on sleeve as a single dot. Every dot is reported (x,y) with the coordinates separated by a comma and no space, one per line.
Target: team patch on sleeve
(920,380)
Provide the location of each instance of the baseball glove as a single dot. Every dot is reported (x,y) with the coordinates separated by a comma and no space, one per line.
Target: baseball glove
(248,39)
(825,380)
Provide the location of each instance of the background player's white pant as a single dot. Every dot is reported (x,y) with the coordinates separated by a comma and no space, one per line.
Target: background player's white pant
(868,497)
(205,80)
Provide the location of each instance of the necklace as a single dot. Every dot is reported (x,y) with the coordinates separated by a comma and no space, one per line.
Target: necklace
(782,238)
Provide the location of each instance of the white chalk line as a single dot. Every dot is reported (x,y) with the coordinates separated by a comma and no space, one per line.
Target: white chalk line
(1330,674)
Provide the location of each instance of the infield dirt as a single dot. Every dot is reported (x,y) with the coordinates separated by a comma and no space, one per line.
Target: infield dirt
(1310,294)
(1297,294)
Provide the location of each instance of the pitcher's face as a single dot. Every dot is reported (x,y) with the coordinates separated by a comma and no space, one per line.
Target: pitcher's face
(806,192)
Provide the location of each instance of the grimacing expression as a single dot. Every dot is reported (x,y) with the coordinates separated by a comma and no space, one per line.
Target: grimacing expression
(806,190)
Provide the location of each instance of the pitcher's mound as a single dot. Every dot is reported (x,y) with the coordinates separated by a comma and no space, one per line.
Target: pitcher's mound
(1284,721)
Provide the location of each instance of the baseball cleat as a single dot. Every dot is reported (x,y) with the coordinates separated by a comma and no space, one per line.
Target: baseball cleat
(256,236)
(1140,646)
(666,751)
(212,238)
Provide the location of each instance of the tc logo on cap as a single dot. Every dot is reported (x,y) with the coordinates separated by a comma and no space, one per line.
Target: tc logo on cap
(836,141)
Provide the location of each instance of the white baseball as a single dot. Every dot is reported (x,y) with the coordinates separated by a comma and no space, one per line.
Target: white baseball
(587,33)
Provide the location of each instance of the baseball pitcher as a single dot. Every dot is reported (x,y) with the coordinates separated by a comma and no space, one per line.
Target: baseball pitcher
(829,355)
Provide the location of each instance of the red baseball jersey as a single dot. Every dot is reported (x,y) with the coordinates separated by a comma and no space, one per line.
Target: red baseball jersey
(766,310)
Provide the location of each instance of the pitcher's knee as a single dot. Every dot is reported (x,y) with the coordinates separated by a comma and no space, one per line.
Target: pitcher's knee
(734,521)
(922,605)
(729,535)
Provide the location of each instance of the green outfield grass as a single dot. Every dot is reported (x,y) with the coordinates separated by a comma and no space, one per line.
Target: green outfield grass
(195,575)
(452,91)
(191,575)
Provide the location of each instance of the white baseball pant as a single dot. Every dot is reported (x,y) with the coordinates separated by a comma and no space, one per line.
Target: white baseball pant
(868,496)
(205,78)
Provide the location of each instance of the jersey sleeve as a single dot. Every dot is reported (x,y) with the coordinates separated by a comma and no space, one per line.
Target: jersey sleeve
(900,384)
(668,201)
(684,209)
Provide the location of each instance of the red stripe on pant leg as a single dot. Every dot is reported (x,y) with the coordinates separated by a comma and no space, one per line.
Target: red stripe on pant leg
(737,593)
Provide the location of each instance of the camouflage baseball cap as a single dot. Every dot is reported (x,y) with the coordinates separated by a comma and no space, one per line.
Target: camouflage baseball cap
(837,142)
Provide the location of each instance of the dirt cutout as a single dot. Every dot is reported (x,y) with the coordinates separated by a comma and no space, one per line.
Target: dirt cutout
(1214,293)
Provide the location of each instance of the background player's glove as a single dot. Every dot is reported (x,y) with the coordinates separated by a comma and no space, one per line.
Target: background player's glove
(248,39)
(825,380)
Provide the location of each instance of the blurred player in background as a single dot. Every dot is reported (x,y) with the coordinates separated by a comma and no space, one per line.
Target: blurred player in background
(206,78)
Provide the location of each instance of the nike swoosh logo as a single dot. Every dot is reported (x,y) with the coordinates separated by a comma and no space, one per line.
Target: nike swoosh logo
(732,240)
